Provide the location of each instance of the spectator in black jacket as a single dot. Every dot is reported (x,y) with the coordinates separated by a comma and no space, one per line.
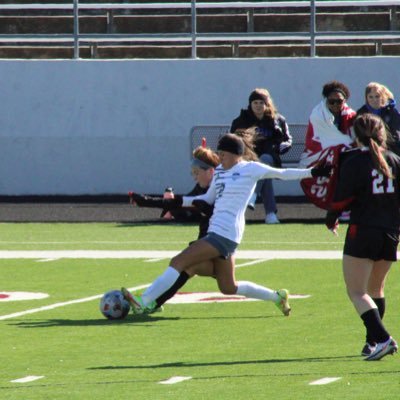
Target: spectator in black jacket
(272,140)
(379,100)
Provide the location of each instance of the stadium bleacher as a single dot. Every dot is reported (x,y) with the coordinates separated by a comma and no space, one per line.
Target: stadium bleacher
(115,29)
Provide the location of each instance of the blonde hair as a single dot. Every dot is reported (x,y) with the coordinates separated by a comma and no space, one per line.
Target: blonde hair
(371,131)
(206,155)
(385,93)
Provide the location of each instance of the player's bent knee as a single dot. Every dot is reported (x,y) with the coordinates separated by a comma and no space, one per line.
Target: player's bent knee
(228,290)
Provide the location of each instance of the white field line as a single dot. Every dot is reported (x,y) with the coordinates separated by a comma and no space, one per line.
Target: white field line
(258,256)
(175,379)
(29,378)
(157,254)
(251,263)
(324,381)
(65,303)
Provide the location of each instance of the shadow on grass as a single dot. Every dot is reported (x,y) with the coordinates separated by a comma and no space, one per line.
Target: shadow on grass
(147,222)
(138,319)
(228,363)
(207,378)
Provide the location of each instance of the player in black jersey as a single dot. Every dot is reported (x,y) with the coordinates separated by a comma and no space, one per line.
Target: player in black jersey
(369,186)
(204,162)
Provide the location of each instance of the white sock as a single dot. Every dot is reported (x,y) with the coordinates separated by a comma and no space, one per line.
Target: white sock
(250,289)
(160,285)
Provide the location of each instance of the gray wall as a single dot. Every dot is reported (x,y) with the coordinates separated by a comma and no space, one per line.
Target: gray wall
(104,127)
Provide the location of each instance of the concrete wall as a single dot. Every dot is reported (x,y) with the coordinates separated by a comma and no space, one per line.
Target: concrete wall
(104,127)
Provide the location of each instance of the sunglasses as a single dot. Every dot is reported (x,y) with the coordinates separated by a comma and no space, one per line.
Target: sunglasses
(332,102)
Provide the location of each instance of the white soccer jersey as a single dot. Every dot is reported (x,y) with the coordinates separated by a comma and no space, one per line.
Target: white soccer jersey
(230,191)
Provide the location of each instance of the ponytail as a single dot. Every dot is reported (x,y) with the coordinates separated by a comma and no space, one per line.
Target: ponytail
(378,159)
(248,136)
(370,131)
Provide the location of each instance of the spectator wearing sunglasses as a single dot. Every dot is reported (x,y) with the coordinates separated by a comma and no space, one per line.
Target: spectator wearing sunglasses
(330,122)
(328,134)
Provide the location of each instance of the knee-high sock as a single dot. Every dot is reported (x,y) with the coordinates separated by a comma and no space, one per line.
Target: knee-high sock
(250,289)
(160,285)
(376,332)
(381,304)
(182,279)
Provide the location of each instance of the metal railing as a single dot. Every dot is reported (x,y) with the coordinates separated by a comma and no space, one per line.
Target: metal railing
(212,133)
(194,37)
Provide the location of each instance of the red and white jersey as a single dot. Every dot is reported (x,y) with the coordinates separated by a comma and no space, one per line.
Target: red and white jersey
(230,191)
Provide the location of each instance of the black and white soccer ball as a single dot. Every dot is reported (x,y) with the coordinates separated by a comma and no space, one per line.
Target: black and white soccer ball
(113,305)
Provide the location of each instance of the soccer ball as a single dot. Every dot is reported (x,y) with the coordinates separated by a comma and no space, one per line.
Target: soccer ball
(113,305)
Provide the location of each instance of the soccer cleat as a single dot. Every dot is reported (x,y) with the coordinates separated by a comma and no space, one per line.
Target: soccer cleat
(383,349)
(368,349)
(153,308)
(283,301)
(137,305)
(135,301)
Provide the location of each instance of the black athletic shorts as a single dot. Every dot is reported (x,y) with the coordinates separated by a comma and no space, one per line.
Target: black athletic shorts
(372,243)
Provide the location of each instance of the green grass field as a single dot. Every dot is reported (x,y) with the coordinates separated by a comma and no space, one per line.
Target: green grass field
(232,350)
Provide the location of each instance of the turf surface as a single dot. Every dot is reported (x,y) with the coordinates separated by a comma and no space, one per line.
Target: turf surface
(236,350)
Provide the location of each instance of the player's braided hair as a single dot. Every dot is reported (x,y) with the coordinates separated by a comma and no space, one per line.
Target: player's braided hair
(371,131)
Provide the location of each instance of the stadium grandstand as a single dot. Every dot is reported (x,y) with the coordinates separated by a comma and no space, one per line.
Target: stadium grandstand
(112,29)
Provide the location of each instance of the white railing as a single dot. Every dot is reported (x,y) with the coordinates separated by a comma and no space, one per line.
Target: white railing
(205,5)
(194,37)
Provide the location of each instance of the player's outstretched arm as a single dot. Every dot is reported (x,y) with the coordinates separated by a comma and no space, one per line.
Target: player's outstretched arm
(155,202)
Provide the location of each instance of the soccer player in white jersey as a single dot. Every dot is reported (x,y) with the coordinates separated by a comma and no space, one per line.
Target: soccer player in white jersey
(232,185)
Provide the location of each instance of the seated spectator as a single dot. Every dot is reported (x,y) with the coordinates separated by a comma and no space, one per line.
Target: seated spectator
(328,134)
(379,100)
(272,140)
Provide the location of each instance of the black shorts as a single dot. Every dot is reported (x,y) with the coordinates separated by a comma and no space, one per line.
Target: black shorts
(372,243)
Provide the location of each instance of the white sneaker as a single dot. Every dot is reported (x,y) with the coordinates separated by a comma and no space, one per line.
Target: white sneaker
(271,218)
(368,349)
(252,202)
